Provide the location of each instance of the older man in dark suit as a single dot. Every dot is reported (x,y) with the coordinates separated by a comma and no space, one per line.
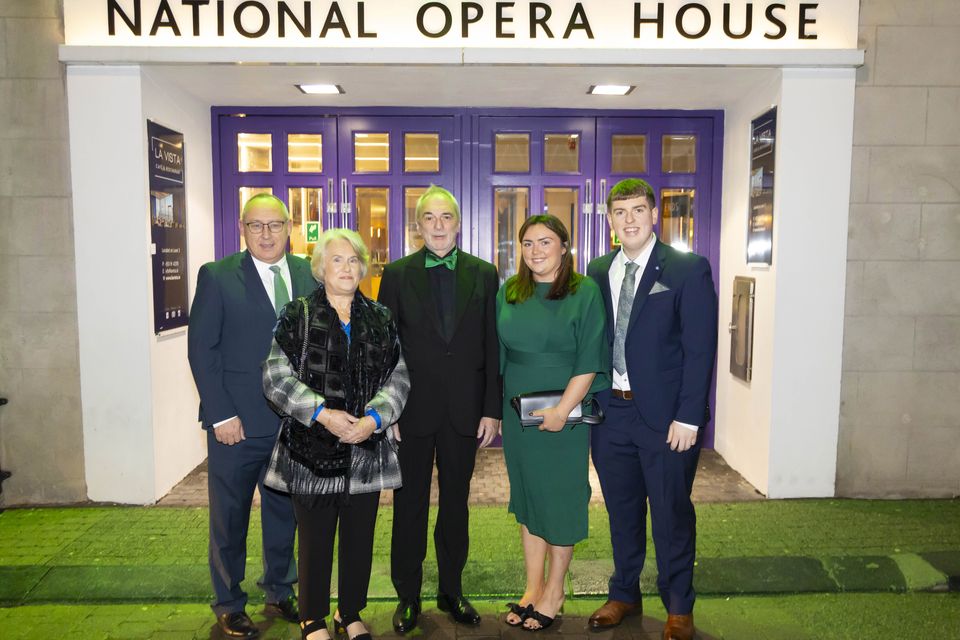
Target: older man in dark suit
(662,326)
(232,319)
(444,302)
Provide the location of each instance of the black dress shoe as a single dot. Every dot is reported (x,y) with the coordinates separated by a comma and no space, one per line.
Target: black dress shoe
(459,607)
(286,609)
(237,625)
(405,617)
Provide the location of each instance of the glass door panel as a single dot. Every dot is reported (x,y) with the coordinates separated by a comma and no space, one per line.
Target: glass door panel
(412,240)
(553,158)
(244,194)
(305,204)
(677,218)
(383,184)
(373,207)
(292,157)
(564,202)
(512,205)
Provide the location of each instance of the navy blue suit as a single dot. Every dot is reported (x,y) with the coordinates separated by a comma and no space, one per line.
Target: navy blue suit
(231,330)
(669,350)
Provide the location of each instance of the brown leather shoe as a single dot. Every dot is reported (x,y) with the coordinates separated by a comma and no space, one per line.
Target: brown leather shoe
(612,613)
(678,627)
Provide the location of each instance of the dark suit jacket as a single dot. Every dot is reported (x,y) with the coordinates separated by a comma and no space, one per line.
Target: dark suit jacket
(671,339)
(231,330)
(454,382)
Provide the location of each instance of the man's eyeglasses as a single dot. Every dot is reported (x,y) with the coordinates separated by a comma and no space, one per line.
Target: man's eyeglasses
(275,226)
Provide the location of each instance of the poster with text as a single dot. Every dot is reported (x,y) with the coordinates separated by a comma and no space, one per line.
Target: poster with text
(168,227)
(763,140)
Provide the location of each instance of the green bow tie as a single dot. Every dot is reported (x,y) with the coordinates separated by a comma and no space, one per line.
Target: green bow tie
(449,260)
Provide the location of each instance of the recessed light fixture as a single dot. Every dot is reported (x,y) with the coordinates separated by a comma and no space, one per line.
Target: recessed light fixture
(610,89)
(321,89)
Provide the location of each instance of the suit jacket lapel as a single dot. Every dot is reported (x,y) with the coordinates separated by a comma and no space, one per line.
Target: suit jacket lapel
(466,281)
(420,283)
(650,275)
(603,270)
(301,277)
(253,284)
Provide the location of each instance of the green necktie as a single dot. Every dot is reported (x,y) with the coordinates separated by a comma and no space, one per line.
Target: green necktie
(449,260)
(280,294)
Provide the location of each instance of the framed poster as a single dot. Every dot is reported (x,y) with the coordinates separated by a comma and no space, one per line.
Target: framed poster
(168,227)
(763,138)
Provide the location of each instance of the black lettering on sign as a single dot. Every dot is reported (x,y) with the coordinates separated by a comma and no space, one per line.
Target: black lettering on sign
(287,12)
(164,18)
(447,19)
(540,12)
(638,20)
(220,18)
(804,21)
(748,22)
(502,19)
(682,11)
(467,19)
(361,26)
(782,28)
(195,12)
(114,9)
(238,19)
(334,21)
(578,20)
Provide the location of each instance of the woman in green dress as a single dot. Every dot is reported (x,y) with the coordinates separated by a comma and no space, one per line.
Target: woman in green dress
(551,324)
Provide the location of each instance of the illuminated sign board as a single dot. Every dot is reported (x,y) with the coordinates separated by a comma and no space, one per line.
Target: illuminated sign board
(554,24)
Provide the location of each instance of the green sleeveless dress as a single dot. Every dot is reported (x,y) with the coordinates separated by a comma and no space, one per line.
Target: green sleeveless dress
(544,343)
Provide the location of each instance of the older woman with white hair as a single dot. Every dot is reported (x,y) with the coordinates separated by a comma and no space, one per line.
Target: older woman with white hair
(337,375)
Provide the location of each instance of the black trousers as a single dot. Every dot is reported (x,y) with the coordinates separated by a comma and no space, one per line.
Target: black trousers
(234,471)
(316,527)
(455,456)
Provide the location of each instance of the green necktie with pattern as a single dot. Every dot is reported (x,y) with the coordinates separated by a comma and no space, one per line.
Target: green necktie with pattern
(280,294)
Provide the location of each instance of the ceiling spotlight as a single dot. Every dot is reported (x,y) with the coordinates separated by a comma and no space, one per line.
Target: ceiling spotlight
(321,89)
(610,89)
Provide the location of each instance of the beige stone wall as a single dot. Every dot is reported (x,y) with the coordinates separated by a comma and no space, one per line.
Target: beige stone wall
(41,439)
(900,414)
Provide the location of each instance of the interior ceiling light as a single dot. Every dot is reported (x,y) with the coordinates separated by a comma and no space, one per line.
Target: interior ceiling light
(321,89)
(610,89)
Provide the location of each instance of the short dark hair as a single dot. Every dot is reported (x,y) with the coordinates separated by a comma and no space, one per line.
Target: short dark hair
(521,286)
(631,188)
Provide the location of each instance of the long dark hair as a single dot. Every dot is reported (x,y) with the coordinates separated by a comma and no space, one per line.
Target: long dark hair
(521,286)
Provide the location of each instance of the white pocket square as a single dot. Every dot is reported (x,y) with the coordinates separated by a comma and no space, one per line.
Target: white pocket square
(659,287)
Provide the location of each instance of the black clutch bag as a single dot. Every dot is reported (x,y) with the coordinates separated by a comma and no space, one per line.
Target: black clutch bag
(526,403)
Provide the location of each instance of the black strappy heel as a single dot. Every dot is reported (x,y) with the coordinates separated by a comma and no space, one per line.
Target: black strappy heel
(340,626)
(309,627)
(520,611)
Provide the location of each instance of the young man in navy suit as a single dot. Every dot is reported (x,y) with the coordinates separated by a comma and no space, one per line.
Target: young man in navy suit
(232,320)
(662,325)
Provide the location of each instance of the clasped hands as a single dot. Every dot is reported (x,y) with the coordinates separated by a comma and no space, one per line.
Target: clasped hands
(349,429)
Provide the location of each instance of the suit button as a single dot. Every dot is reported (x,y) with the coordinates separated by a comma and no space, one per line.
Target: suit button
(448,354)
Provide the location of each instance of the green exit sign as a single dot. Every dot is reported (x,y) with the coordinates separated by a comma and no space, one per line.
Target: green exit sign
(313,231)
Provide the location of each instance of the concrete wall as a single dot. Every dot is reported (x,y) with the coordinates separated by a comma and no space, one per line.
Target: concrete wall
(41,440)
(900,416)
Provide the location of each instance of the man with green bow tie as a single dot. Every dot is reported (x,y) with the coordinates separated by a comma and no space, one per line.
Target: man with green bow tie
(444,303)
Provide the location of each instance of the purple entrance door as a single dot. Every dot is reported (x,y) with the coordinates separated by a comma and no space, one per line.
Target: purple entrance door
(386,163)
(293,158)
(530,165)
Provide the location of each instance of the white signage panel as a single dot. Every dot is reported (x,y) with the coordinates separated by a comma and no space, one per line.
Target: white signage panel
(551,24)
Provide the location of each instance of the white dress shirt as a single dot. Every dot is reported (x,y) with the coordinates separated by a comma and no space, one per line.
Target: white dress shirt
(618,269)
(266,278)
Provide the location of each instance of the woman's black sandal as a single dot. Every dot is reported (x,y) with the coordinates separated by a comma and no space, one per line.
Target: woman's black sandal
(520,611)
(541,619)
(306,628)
(340,627)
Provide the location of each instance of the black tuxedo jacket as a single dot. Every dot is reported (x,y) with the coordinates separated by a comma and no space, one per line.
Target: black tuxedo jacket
(455,382)
(230,333)
(671,338)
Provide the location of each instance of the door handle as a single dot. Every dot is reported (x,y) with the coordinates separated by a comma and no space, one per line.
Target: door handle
(587,220)
(731,327)
(331,198)
(344,203)
(602,199)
